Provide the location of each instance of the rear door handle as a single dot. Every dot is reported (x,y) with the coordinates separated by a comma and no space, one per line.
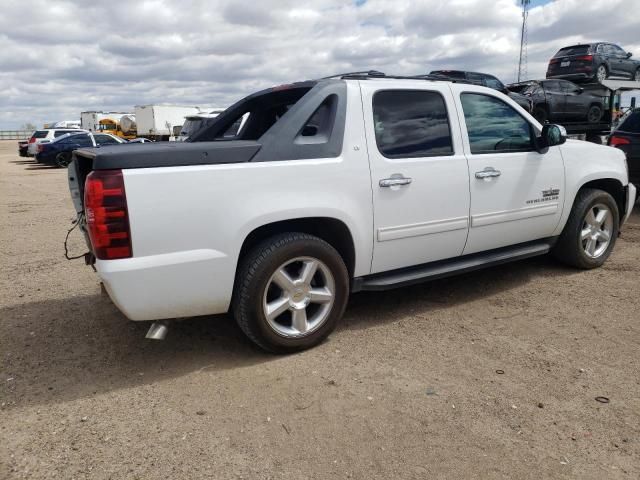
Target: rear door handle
(488,172)
(395,181)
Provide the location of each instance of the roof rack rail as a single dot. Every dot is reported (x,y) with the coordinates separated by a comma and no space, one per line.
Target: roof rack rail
(367,74)
(362,74)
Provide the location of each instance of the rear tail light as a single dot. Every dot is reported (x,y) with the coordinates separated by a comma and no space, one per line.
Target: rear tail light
(586,58)
(40,147)
(616,141)
(105,204)
(32,139)
(554,60)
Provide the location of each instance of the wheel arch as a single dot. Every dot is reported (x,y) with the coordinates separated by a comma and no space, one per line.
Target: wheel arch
(612,186)
(333,231)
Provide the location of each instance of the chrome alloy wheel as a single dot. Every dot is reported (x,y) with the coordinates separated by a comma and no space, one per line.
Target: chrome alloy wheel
(596,230)
(601,73)
(299,297)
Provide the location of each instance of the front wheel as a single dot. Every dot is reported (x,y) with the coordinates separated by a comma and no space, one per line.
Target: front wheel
(591,231)
(291,291)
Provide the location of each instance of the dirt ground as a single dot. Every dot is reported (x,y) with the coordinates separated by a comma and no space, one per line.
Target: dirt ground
(488,375)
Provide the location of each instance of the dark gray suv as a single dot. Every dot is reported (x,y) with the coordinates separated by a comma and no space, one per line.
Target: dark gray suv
(593,61)
(486,80)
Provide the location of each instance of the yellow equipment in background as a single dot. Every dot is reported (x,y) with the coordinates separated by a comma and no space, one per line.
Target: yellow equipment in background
(108,125)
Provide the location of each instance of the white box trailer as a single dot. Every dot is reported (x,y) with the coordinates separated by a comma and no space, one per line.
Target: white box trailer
(91,119)
(159,122)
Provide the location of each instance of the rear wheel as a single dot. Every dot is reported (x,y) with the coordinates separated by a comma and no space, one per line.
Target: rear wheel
(602,73)
(591,231)
(291,291)
(63,159)
(594,114)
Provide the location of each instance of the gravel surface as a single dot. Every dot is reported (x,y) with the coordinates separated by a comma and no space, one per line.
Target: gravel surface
(493,374)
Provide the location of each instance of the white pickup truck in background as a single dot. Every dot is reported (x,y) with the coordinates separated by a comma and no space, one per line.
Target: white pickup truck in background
(357,182)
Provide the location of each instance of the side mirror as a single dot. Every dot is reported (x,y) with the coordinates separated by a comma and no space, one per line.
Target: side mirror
(579,90)
(629,54)
(551,136)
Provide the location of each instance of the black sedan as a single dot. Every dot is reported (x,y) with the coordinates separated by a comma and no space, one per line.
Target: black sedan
(58,152)
(627,138)
(593,61)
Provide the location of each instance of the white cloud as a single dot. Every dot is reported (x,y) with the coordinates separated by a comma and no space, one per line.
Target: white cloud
(59,58)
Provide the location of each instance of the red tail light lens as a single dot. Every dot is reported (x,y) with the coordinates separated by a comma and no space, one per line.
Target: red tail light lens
(615,141)
(105,204)
(32,139)
(586,58)
(554,60)
(40,147)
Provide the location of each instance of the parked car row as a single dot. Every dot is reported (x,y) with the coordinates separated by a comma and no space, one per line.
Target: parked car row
(59,151)
(55,145)
(47,135)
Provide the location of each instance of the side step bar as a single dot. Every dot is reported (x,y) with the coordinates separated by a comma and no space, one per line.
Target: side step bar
(447,268)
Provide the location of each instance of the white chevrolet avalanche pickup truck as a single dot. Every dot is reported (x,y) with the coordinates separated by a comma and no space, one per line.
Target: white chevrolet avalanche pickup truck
(300,194)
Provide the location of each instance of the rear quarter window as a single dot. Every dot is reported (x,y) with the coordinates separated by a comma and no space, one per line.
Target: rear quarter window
(40,134)
(59,133)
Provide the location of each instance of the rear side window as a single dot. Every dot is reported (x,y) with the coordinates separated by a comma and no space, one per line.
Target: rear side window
(40,134)
(493,126)
(631,124)
(575,50)
(80,140)
(553,86)
(494,83)
(411,123)
(59,133)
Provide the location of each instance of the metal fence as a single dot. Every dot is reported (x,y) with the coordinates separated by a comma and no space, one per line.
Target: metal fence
(15,134)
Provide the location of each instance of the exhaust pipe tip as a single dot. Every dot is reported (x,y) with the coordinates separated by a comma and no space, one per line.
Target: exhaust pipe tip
(158,330)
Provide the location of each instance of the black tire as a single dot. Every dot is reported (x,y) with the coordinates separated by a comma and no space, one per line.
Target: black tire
(540,114)
(569,249)
(593,138)
(63,159)
(594,114)
(254,278)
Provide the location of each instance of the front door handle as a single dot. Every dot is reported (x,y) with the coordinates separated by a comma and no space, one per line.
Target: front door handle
(395,181)
(488,172)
